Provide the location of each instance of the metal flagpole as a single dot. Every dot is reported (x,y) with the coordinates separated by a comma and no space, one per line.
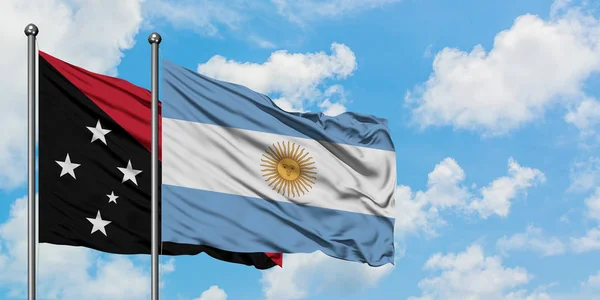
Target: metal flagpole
(31,32)
(154,39)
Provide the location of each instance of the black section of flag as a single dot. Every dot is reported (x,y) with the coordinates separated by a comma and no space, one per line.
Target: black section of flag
(69,205)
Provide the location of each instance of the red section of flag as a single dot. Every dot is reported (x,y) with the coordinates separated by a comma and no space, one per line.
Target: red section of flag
(276,258)
(112,95)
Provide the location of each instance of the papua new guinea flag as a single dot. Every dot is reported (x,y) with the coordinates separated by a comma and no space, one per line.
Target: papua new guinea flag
(94,166)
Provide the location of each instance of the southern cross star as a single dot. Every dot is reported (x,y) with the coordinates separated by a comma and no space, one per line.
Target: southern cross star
(98,133)
(129,173)
(67,167)
(112,197)
(99,224)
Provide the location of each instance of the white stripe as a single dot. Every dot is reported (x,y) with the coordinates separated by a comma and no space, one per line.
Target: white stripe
(227,160)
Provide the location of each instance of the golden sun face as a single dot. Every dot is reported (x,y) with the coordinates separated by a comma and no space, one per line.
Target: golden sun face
(288,169)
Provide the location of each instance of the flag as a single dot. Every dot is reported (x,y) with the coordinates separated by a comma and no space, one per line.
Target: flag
(94,166)
(240,174)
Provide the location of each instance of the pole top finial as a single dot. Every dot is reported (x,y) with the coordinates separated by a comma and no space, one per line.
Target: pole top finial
(31,29)
(154,38)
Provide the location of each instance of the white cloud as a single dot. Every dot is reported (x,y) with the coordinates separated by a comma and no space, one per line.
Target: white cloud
(334,102)
(414,214)
(201,16)
(532,239)
(593,205)
(593,282)
(304,274)
(301,11)
(586,116)
(215,18)
(589,242)
(68,30)
(472,275)
(428,51)
(68,272)
(443,188)
(213,293)
(496,196)
(420,211)
(107,282)
(559,6)
(585,175)
(524,295)
(295,78)
(533,66)
(332,109)
(262,43)
(167,267)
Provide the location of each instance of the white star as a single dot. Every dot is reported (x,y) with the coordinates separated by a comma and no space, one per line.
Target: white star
(112,197)
(129,173)
(67,166)
(98,132)
(99,224)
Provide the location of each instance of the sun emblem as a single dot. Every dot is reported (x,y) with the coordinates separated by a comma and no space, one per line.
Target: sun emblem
(288,169)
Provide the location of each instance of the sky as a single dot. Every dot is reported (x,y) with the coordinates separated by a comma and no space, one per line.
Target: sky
(493,107)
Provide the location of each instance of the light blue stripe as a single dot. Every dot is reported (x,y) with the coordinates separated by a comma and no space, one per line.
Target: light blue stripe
(245,224)
(190,96)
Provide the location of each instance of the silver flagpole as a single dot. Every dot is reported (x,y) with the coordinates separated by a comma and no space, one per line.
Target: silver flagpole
(31,32)
(154,39)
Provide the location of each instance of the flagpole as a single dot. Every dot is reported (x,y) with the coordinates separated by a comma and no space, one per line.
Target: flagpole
(154,39)
(31,32)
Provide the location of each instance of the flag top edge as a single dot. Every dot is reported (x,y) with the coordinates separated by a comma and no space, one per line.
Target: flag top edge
(222,98)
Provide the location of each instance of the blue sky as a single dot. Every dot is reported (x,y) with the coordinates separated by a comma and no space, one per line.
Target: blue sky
(492,106)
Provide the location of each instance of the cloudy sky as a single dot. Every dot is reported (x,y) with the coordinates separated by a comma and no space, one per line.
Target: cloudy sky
(493,107)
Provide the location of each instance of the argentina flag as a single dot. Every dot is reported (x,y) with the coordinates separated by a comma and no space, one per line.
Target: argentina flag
(241,174)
